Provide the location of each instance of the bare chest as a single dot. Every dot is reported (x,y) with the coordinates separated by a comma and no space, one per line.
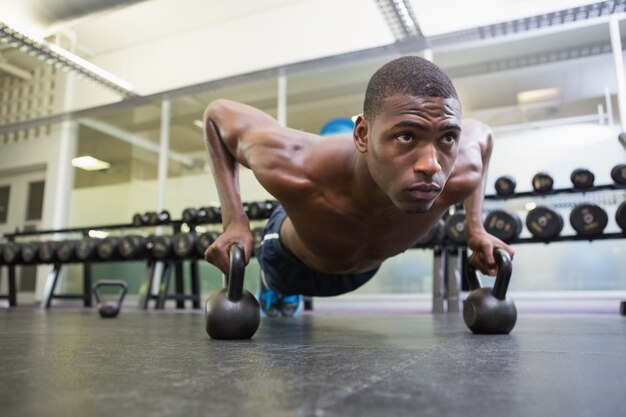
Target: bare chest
(334,241)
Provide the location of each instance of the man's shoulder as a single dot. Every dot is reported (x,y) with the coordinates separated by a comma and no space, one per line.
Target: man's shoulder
(475,130)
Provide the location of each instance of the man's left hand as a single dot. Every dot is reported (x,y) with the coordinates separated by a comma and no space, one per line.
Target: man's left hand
(482,245)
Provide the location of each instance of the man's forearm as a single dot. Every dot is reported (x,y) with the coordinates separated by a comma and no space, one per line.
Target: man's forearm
(225,171)
(474,203)
(474,208)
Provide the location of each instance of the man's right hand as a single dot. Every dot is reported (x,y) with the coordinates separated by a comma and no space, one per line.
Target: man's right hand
(218,252)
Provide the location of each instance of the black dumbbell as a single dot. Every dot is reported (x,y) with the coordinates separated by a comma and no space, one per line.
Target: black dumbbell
(184,245)
(214,214)
(204,240)
(257,234)
(618,173)
(542,183)
(11,253)
(455,227)
(132,247)
(160,247)
(504,225)
(86,249)
(155,219)
(490,310)
(260,210)
(588,219)
(109,309)
(28,252)
(140,219)
(582,179)
(19,253)
(108,248)
(190,215)
(47,251)
(544,223)
(620,216)
(232,312)
(505,186)
(66,251)
(203,215)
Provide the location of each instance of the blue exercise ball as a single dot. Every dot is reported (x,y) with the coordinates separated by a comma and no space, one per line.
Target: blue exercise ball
(337,126)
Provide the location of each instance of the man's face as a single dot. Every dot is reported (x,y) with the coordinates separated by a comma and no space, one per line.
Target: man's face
(411,147)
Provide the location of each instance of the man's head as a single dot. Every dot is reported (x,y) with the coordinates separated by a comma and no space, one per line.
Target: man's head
(409,75)
(409,131)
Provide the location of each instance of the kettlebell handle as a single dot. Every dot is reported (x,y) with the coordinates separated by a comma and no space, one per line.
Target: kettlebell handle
(503,260)
(236,273)
(505,269)
(110,283)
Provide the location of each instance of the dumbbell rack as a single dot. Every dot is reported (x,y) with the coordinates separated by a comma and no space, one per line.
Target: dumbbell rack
(450,257)
(449,260)
(145,294)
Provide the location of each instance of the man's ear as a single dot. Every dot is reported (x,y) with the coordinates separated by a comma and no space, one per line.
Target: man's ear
(361,133)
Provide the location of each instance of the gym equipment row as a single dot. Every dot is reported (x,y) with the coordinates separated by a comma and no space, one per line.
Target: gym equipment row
(256,210)
(544,223)
(167,250)
(582,180)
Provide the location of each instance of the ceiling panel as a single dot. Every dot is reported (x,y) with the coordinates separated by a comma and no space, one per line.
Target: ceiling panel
(436,18)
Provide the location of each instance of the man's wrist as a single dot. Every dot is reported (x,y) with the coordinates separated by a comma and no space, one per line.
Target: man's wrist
(474,227)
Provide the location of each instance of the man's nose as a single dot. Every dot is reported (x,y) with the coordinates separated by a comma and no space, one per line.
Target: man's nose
(427,162)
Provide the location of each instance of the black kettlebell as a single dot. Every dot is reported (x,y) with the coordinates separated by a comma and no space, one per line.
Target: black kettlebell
(489,310)
(232,312)
(110,309)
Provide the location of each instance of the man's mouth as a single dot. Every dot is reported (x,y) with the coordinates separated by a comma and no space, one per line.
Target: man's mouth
(425,187)
(424,191)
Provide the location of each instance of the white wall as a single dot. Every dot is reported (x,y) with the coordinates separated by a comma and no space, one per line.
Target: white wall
(42,152)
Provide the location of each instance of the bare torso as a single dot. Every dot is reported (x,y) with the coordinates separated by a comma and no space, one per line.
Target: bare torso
(331,231)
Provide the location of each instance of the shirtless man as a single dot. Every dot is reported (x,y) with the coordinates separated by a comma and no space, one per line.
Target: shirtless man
(348,202)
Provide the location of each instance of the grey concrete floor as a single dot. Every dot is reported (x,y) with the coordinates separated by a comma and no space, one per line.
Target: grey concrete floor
(73,363)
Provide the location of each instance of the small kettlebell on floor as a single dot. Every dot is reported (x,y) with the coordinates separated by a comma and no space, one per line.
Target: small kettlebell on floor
(490,310)
(232,312)
(110,309)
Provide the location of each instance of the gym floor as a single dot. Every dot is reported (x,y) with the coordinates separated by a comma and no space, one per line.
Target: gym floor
(73,363)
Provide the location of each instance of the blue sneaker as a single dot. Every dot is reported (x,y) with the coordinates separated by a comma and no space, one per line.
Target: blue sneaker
(269,301)
(290,305)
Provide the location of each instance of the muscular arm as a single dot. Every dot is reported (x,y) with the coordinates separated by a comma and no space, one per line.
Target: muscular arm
(475,163)
(239,134)
(474,203)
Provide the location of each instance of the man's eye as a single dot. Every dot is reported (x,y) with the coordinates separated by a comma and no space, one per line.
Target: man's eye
(404,138)
(449,139)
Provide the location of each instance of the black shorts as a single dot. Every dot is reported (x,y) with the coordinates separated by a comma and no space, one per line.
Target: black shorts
(283,272)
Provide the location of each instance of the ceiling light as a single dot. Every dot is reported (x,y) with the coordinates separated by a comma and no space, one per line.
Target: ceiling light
(198,123)
(534,96)
(399,16)
(55,55)
(89,163)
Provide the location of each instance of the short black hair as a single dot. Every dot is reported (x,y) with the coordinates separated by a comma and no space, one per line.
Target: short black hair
(411,75)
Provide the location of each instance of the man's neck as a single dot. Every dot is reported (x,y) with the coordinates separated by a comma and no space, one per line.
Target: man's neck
(366,194)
